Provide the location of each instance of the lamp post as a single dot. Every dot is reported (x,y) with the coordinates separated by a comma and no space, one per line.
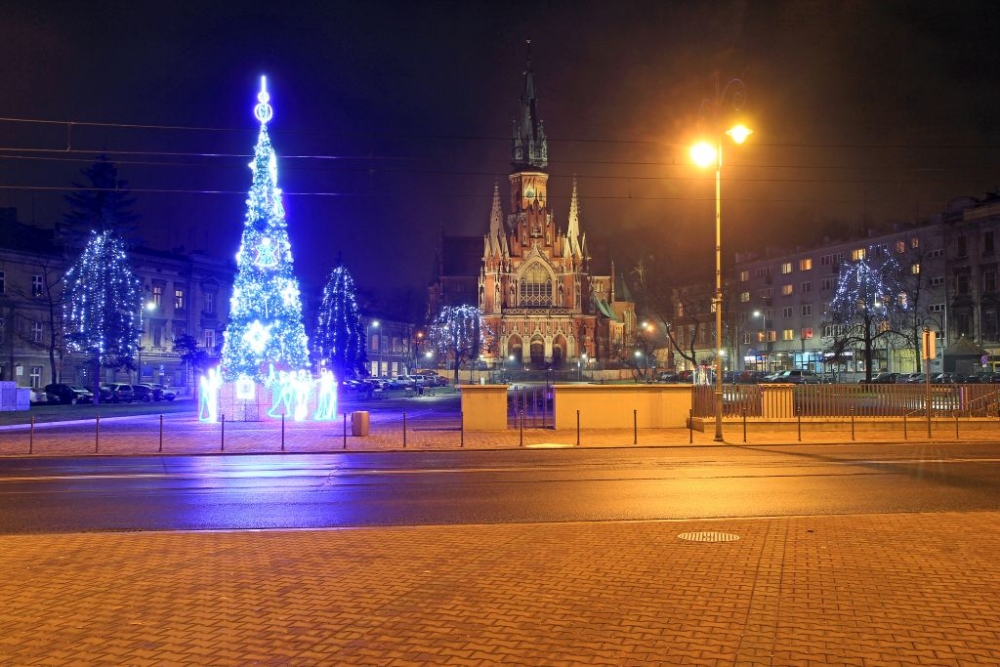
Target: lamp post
(368,335)
(705,155)
(150,306)
(762,314)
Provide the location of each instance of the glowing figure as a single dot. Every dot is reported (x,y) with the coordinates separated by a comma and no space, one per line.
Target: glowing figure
(302,385)
(326,400)
(266,257)
(208,396)
(283,394)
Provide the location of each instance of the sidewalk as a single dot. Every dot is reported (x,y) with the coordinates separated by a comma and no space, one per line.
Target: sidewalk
(897,590)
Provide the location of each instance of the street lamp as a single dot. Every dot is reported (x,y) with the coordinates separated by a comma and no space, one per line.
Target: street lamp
(706,155)
(150,306)
(762,314)
(368,335)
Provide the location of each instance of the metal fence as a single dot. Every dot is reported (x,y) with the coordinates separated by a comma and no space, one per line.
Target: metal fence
(860,400)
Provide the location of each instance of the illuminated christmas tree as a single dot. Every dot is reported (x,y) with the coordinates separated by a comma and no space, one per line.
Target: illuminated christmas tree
(101,308)
(338,331)
(459,333)
(265,330)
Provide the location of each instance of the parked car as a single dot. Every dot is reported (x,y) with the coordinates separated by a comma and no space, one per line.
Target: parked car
(797,376)
(915,378)
(903,378)
(668,376)
(885,377)
(67,394)
(164,393)
(118,393)
(142,392)
(948,378)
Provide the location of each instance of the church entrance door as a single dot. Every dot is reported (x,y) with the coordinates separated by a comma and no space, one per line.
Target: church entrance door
(537,354)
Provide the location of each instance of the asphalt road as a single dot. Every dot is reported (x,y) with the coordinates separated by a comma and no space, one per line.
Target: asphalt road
(481,487)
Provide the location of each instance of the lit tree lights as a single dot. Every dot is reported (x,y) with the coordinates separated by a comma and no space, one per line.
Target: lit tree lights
(101,309)
(338,340)
(460,333)
(870,305)
(265,327)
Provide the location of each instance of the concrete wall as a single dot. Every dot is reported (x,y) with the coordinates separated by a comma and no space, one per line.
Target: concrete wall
(484,407)
(611,406)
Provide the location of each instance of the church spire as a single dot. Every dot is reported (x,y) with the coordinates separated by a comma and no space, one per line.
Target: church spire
(496,240)
(529,147)
(573,225)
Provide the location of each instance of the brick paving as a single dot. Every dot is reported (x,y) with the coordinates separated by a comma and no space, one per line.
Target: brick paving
(895,590)
(916,589)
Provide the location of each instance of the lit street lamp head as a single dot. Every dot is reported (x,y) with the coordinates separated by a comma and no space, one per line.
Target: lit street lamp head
(703,154)
(739,133)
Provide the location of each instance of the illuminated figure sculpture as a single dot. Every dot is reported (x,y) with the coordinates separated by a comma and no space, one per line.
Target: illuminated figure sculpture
(326,408)
(208,396)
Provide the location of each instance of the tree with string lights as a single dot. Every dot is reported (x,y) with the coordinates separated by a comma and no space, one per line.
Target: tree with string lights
(338,341)
(869,306)
(459,333)
(265,327)
(101,306)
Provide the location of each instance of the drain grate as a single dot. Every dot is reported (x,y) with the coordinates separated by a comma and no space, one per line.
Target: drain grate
(708,536)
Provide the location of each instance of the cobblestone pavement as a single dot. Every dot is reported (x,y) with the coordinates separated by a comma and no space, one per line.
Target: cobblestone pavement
(917,589)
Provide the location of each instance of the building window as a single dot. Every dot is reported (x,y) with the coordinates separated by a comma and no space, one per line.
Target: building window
(3,282)
(178,299)
(746,337)
(900,246)
(962,284)
(788,334)
(744,297)
(805,264)
(210,303)
(158,295)
(35,377)
(934,254)
(807,309)
(37,286)
(764,272)
(744,276)
(786,267)
(210,339)
(536,286)
(764,293)
(786,312)
(787,290)
(962,246)
(915,269)
(988,243)
(858,255)
(915,242)
(36,332)
(826,284)
(936,308)
(989,281)
(807,286)
(937,281)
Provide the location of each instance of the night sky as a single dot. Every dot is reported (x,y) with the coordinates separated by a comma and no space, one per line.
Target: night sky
(392,119)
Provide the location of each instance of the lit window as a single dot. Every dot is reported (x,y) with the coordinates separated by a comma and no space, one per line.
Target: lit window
(915,242)
(178,299)
(787,290)
(915,269)
(37,286)
(786,268)
(209,339)
(788,334)
(805,264)
(158,295)
(900,246)
(858,254)
(36,377)
(744,276)
(744,297)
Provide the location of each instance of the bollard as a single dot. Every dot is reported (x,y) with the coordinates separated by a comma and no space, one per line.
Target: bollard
(31,436)
(577,428)
(161,433)
(97,434)
(404,430)
(520,442)
(852,423)
(956,425)
(282,431)
(222,439)
(461,429)
(799,414)
(690,427)
(744,424)
(904,426)
(345,430)
(635,427)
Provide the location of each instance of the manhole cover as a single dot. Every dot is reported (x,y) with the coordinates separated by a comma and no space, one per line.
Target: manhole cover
(708,537)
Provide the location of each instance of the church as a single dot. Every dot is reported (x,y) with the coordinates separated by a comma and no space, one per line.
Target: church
(544,300)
